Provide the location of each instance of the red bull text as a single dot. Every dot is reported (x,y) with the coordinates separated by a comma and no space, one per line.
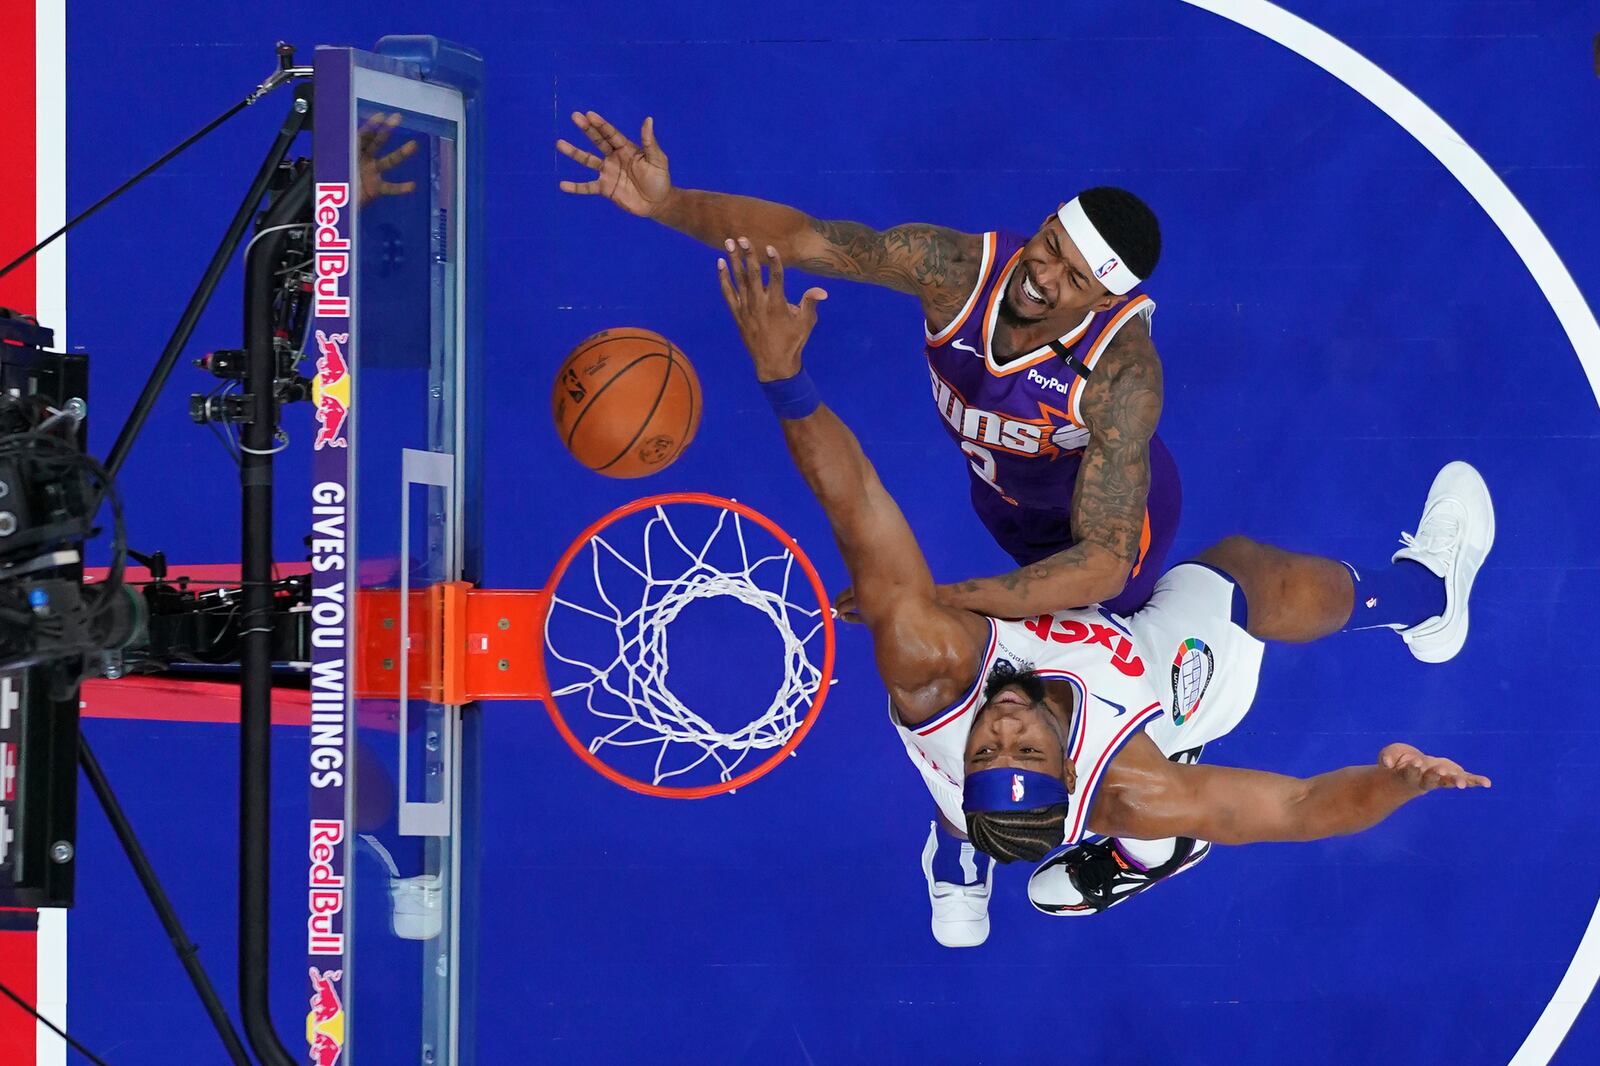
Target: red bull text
(331,297)
(324,935)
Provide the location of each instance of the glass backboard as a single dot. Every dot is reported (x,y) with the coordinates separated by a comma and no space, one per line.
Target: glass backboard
(391,469)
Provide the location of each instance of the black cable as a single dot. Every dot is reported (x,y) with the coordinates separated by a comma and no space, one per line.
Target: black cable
(62,1033)
(292,125)
(188,953)
(285,58)
(125,186)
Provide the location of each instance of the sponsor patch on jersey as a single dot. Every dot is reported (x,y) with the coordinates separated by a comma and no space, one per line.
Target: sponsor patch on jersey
(1050,381)
(1191,676)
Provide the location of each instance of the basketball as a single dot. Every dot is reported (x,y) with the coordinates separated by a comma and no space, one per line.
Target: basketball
(626,402)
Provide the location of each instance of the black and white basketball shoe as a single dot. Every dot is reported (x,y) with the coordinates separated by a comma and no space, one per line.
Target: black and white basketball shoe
(1097,875)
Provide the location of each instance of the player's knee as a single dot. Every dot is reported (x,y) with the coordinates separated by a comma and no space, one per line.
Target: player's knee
(1233,554)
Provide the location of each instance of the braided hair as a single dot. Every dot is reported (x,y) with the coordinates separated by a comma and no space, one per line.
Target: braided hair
(1009,836)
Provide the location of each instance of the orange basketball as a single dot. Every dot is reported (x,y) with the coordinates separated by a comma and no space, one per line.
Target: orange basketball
(626,402)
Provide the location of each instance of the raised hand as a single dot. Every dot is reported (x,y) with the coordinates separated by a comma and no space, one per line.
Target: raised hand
(632,176)
(369,140)
(774,329)
(1428,772)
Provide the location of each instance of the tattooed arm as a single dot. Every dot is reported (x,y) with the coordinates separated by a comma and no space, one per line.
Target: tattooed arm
(1121,406)
(939,266)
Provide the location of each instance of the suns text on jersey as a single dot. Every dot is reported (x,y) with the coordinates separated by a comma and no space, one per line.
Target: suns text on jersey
(1052,433)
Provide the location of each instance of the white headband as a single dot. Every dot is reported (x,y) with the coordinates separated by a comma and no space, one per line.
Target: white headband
(1106,265)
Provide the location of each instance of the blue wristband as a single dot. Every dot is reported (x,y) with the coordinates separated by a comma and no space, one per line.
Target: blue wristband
(794,397)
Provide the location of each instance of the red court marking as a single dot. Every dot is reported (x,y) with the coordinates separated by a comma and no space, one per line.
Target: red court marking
(202,574)
(19,962)
(165,699)
(18,183)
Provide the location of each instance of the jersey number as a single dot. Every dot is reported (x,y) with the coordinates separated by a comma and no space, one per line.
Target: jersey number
(984,466)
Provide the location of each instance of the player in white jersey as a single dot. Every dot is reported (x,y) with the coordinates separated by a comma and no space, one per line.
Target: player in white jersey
(1032,734)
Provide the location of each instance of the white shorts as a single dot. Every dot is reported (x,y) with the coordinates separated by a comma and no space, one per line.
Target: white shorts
(1207,664)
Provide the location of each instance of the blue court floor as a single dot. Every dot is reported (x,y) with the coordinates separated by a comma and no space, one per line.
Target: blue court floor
(1339,315)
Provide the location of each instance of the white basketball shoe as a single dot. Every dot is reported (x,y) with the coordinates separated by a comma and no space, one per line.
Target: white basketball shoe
(960,912)
(416,903)
(1453,538)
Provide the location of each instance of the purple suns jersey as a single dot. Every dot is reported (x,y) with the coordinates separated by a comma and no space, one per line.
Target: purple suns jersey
(1020,423)
(1115,697)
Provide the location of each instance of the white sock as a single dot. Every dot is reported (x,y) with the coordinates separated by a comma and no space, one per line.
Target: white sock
(1148,853)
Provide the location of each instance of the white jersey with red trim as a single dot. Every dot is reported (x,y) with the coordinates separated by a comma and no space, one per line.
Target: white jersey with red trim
(1115,696)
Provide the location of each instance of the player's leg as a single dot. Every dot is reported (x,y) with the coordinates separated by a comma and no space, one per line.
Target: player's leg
(1422,591)
(1210,620)
(1203,664)
(1287,596)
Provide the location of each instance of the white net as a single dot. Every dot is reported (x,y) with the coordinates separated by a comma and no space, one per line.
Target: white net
(625,686)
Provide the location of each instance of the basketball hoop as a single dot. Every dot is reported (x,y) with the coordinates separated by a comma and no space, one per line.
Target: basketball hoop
(625,689)
(455,644)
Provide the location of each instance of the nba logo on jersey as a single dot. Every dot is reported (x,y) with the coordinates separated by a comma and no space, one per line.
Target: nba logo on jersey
(1105,268)
(1016,788)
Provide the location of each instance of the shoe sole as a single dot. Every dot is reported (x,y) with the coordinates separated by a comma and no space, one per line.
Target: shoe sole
(1086,911)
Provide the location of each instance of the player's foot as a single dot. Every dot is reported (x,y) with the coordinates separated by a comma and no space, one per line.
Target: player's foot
(1095,877)
(960,912)
(1453,538)
(416,903)
(416,906)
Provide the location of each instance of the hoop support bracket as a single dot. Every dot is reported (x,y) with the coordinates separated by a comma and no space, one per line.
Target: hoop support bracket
(467,644)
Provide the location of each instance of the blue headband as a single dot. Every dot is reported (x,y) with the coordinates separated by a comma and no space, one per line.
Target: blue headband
(1005,789)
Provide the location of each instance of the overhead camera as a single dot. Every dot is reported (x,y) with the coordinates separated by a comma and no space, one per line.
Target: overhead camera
(50,492)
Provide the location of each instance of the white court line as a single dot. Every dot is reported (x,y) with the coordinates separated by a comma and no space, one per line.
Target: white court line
(50,305)
(1530,243)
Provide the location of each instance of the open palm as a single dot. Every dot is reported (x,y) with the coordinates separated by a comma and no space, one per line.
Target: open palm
(632,176)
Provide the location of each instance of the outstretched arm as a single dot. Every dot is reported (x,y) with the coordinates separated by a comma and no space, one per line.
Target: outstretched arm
(937,265)
(1121,406)
(1146,797)
(925,653)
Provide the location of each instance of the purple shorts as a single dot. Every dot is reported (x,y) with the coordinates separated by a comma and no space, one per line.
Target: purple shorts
(1029,534)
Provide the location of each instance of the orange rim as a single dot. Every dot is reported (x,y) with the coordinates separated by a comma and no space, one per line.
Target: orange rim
(686,791)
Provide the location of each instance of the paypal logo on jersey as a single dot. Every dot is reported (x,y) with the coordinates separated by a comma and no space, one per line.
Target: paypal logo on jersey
(1054,383)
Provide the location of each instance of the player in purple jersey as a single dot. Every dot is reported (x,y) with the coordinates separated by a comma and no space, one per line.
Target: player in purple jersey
(1031,734)
(1041,362)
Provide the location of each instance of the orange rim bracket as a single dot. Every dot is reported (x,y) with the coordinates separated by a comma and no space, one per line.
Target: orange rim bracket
(467,644)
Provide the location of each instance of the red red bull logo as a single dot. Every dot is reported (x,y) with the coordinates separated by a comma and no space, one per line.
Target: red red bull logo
(330,390)
(325,1026)
(330,299)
